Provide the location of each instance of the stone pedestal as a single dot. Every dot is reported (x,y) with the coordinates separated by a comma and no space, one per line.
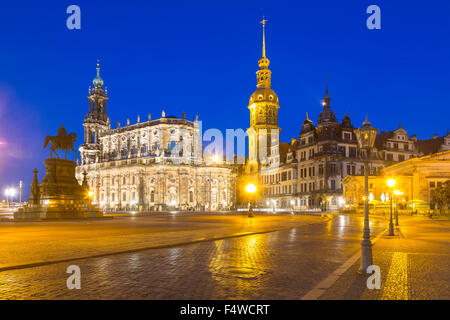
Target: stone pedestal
(59,196)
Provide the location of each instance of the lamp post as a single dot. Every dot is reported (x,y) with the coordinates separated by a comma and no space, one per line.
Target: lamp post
(397,193)
(366,139)
(391,184)
(10,193)
(250,189)
(7,196)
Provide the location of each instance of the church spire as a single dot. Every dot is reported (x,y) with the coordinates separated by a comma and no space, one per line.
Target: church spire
(263,22)
(326,98)
(263,74)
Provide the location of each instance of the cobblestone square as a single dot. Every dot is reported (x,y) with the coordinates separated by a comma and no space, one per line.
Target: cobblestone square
(273,257)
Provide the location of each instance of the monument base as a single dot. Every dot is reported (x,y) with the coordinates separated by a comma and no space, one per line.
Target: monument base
(59,196)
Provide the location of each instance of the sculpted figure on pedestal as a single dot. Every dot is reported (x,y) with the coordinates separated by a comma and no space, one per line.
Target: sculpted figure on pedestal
(62,141)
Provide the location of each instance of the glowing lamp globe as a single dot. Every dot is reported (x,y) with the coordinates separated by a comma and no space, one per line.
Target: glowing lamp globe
(391,183)
(250,188)
(366,135)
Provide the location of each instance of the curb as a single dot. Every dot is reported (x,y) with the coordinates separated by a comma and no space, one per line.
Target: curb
(325,284)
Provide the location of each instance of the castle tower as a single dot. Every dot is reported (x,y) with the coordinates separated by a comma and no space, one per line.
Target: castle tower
(96,121)
(327,123)
(263,133)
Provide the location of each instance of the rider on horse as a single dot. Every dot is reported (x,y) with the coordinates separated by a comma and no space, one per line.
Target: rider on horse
(62,133)
(62,141)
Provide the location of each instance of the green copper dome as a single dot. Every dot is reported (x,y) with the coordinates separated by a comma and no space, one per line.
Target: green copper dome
(98,81)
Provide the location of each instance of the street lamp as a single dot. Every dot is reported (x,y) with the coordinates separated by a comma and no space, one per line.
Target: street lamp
(391,184)
(397,193)
(366,139)
(10,193)
(250,189)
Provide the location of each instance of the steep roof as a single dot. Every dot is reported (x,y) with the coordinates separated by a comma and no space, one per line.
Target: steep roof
(285,148)
(381,138)
(430,145)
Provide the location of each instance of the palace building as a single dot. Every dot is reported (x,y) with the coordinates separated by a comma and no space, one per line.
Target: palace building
(308,172)
(152,165)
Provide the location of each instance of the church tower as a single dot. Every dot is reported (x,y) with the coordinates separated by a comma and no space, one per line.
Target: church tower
(263,133)
(96,121)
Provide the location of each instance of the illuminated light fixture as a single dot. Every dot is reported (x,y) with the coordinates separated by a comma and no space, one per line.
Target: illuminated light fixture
(215,158)
(371,196)
(391,183)
(250,188)
(398,193)
(10,192)
(91,193)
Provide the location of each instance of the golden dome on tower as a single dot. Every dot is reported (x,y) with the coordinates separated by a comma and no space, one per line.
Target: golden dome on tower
(263,95)
(264,92)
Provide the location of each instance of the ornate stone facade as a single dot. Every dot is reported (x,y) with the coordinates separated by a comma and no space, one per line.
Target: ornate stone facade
(152,165)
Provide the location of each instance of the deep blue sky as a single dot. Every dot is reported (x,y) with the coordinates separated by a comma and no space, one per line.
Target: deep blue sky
(200,57)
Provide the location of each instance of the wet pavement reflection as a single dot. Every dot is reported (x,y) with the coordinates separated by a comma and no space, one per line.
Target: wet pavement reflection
(278,265)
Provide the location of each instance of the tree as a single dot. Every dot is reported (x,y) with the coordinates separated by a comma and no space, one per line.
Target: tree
(441,195)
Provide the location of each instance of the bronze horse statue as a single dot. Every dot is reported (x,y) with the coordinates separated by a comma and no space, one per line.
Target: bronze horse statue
(62,141)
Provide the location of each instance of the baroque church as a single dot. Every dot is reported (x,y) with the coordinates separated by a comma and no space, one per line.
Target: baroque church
(151,165)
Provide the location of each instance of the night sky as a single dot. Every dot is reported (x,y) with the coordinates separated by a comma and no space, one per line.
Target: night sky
(200,57)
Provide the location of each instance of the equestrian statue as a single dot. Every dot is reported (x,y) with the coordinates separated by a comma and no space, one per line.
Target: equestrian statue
(62,141)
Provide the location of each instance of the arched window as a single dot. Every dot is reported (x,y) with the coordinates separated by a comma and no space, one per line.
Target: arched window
(191,196)
(152,196)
